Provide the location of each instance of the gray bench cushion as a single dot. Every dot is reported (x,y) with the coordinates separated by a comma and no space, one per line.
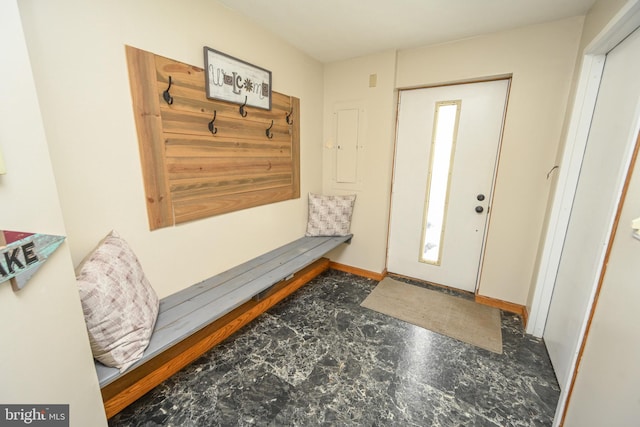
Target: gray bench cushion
(191,309)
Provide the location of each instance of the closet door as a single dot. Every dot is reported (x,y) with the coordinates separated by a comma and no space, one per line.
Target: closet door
(611,138)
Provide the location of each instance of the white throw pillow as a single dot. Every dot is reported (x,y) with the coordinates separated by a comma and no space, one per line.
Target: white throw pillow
(120,306)
(330,215)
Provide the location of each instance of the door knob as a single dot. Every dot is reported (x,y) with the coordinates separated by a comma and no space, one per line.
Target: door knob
(480,197)
(479,209)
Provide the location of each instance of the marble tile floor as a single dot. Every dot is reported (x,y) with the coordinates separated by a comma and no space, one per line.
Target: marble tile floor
(319,359)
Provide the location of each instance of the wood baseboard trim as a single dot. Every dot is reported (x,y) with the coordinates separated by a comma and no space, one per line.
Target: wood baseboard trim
(510,307)
(358,271)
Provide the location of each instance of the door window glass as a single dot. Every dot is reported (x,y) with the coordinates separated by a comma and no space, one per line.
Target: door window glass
(443,143)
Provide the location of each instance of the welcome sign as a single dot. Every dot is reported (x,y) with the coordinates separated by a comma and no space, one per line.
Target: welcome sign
(230,79)
(22,254)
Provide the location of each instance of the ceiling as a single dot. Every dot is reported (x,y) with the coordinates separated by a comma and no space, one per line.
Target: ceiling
(331,30)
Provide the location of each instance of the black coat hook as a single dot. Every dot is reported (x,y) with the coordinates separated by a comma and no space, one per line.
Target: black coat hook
(289,119)
(268,131)
(166,95)
(212,127)
(243,113)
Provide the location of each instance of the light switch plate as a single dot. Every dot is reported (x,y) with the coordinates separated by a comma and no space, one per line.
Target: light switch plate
(373,80)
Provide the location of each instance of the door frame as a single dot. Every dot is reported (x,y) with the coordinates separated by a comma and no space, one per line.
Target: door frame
(593,58)
(509,78)
(620,26)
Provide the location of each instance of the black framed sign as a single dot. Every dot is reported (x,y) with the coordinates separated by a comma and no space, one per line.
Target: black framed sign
(233,80)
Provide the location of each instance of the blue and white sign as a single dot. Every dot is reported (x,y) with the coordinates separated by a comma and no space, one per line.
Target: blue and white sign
(22,254)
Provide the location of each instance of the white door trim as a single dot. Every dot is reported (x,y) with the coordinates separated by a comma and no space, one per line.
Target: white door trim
(569,172)
(620,26)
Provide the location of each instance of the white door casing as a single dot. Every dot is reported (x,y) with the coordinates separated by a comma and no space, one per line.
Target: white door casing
(618,28)
(606,383)
(474,161)
(612,135)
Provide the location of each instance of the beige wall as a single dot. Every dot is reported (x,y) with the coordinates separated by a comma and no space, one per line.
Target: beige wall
(347,86)
(77,50)
(77,55)
(598,17)
(541,59)
(45,356)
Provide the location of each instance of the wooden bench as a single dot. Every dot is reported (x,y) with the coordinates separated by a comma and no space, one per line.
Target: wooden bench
(193,320)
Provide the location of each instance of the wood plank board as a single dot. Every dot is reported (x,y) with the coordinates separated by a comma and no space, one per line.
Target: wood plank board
(187,210)
(171,132)
(198,288)
(190,167)
(193,308)
(219,300)
(146,109)
(264,270)
(229,185)
(224,149)
(134,383)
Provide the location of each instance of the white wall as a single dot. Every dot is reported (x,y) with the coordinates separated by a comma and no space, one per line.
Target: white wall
(45,356)
(541,59)
(77,51)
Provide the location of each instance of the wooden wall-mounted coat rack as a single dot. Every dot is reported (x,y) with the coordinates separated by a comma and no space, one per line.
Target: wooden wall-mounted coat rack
(202,157)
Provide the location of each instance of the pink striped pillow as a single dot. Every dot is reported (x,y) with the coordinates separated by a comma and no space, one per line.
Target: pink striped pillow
(120,306)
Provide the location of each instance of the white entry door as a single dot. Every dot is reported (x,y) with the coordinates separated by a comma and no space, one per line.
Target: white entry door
(611,137)
(447,143)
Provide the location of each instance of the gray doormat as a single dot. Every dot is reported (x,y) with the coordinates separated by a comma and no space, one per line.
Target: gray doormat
(464,320)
